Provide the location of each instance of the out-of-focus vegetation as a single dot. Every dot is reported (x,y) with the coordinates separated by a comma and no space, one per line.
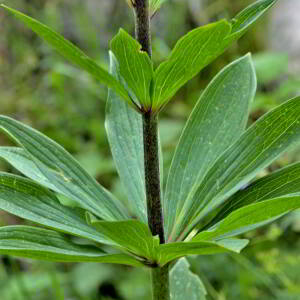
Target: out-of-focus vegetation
(39,88)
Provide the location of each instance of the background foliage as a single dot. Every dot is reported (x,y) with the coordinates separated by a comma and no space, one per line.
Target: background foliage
(39,88)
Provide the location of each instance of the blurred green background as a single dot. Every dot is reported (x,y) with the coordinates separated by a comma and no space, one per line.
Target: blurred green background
(41,89)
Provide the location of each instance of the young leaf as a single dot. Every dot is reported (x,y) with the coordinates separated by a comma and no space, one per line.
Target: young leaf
(260,145)
(250,217)
(124,129)
(28,200)
(284,182)
(171,251)
(218,120)
(135,66)
(44,244)
(200,47)
(71,52)
(63,171)
(184,284)
(131,235)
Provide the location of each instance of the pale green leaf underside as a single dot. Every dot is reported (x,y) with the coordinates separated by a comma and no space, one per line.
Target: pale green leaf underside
(184,284)
(63,171)
(71,52)
(171,251)
(198,48)
(260,145)
(27,200)
(135,66)
(124,129)
(218,120)
(131,235)
(250,217)
(44,244)
(284,182)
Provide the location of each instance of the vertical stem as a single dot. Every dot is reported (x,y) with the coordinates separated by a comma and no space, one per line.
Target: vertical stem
(159,275)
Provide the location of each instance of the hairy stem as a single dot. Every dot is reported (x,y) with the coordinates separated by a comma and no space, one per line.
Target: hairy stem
(159,275)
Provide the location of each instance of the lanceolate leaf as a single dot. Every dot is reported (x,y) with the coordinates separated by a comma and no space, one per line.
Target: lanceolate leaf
(171,251)
(131,235)
(44,244)
(135,66)
(250,217)
(28,200)
(71,52)
(63,171)
(284,182)
(184,284)
(198,48)
(22,161)
(218,120)
(262,143)
(125,135)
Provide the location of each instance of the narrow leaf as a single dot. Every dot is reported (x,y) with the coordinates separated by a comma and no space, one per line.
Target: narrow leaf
(184,284)
(155,5)
(30,201)
(259,146)
(125,135)
(250,217)
(284,182)
(71,52)
(218,120)
(171,251)
(44,244)
(131,235)
(135,66)
(63,171)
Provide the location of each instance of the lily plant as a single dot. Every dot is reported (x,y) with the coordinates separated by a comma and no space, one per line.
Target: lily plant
(211,195)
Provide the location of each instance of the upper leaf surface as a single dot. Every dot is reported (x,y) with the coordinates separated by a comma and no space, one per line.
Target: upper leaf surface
(71,52)
(28,200)
(63,171)
(124,129)
(260,145)
(218,120)
(44,244)
(135,66)
(250,217)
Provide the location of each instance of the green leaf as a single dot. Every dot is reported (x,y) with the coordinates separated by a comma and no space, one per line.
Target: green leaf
(44,244)
(260,145)
(30,201)
(155,5)
(71,52)
(135,66)
(184,284)
(198,48)
(124,129)
(284,182)
(21,160)
(218,120)
(131,235)
(63,171)
(171,251)
(250,217)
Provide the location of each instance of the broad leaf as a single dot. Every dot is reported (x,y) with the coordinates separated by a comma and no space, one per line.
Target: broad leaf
(63,171)
(171,251)
(250,217)
(131,235)
(184,284)
(44,244)
(198,48)
(284,182)
(260,145)
(71,52)
(135,66)
(27,200)
(124,129)
(218,120)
